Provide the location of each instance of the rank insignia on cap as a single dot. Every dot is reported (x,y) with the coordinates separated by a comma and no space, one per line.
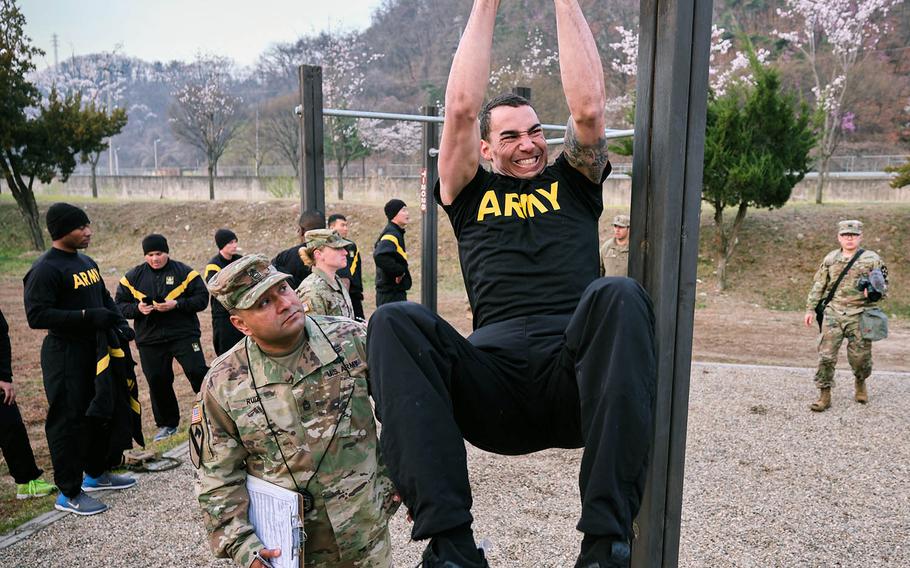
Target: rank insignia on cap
(255,275)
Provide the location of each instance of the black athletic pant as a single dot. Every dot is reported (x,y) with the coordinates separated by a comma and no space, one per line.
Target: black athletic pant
(387,297)
(14,445)
(224,335)
(515,387)
(77,443)
(157,362)
(357,304)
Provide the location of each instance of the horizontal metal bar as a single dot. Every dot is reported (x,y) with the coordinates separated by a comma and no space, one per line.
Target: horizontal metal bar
(609,135)
(408,117)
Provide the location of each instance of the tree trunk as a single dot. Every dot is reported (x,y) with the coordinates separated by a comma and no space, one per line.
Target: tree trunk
(94,182)
(211,182)
(822,179)
(721,246)
(340,169)
(727,243)
(25,201)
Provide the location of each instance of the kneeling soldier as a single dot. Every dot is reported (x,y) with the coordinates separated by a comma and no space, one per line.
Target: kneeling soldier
(322,292)
(289,405)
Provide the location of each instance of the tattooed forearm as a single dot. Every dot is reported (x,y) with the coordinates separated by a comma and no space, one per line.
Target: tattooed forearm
(589,160)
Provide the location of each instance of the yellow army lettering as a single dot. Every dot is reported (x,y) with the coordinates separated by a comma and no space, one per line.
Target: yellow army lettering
(523,205)
(86,278)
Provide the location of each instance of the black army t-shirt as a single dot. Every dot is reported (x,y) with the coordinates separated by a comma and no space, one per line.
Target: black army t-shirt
(527,247)
(58,287)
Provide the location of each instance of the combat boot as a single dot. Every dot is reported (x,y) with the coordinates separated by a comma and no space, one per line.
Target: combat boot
(861,395)
(824,401)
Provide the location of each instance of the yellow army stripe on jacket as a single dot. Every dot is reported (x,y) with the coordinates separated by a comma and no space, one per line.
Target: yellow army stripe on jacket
(136,293)
(173,294)
(394,240)
(354,263)
(105,362)
(210,269)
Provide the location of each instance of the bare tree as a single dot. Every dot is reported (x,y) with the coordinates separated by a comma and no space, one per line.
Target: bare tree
(205,115)
(281,130)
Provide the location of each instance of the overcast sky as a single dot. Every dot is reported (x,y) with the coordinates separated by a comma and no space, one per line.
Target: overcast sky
(178,29)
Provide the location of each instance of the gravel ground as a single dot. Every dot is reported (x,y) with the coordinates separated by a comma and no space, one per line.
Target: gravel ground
(768,483)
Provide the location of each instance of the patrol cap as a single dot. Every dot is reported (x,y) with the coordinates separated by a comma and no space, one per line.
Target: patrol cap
(850,227)
(324,238)
(621,221)
(243,281)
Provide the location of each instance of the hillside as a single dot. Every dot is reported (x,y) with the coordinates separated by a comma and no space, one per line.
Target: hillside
(414,41)
(773,264)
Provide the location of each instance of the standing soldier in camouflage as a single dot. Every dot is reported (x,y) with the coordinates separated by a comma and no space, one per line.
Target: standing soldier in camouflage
(289,405)
(614,255)
(322,292)
(352,274)
(224,334)
(842,315)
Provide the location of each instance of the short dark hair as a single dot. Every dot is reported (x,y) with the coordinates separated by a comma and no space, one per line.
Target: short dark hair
(311,219)
(505,99)
(335,217)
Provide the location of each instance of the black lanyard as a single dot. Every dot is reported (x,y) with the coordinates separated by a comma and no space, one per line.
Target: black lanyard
(308,500)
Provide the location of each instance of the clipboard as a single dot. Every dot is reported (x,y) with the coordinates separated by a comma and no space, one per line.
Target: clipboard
(274,513)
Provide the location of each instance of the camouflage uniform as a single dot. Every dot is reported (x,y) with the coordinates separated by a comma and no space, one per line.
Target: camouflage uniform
(842,314)
(326,296)
(230,438)
(614,259)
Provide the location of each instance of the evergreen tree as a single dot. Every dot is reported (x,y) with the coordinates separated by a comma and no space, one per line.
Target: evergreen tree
(757,145)
(39,139)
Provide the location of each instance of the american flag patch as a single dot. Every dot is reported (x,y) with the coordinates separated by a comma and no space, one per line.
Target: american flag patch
(196,414)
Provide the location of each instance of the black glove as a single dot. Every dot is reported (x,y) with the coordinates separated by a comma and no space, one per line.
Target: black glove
(102,318)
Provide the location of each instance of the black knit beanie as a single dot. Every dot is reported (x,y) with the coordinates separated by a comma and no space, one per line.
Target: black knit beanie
(223,237)
(154,242)
(393,207)
(62,218)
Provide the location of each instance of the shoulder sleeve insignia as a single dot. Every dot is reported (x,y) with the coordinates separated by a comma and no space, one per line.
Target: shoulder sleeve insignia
(196,435)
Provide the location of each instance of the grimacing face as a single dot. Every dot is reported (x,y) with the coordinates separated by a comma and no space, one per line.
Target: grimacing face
(275,321)
(517,146)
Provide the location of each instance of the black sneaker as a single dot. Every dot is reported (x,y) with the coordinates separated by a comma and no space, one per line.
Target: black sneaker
(431,560)
(606,553)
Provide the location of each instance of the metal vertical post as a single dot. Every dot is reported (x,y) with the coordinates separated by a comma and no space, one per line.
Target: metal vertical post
(428,211)
(671,101)
(312,160)
(522,92)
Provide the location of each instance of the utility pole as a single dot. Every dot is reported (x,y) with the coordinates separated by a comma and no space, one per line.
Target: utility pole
(110,142)
(55,42)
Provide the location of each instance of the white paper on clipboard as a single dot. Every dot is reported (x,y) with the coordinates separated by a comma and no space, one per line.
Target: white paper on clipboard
(274,513)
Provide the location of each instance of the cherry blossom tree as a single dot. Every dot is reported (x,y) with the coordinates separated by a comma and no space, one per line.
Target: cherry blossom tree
(832,36)
(343,59)
(205,114)
(537,59)
(100,82)
(404,138)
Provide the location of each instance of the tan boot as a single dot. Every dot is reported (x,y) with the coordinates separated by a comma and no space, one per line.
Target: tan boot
(824,401)
(861,395)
